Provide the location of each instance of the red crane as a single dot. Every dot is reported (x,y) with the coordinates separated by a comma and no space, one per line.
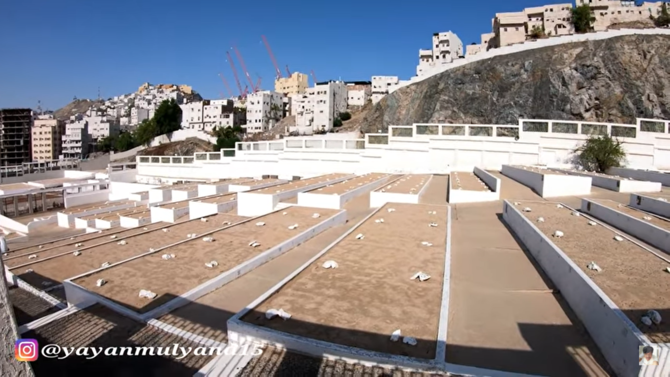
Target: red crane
(314,77)
(232,66)
(288,72)
(258,85)
(272,56)
(225,83)
(244,68)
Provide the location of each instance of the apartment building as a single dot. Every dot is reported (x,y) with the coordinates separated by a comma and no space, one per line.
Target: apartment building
(446,47)
(264,110)
(297,83)
(380,86)
(101,126)
(75,139)
(610,12)
(302,107)
(358,93)
(15,128)
(207,115)
(319,107)
(47,138)
(516,27)
(138,115)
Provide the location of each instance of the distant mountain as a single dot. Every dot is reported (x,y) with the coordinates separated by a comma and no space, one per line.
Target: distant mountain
(77,106)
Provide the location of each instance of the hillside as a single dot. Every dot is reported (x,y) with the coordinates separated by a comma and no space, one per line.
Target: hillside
(77,106)
(611,80)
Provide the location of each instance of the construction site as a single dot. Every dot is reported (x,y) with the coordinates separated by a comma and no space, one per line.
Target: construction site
(15,133)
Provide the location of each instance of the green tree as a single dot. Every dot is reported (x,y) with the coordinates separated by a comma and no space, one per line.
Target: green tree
(146,131)
(168,117)
(582,18)
(124,142)
(106,144)
(226,137)
(599,153)
(345,115)
(537,32)
(337,122)
(664,19)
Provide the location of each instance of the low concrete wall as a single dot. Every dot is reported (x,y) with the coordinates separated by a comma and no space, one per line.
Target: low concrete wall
(469,196)
(67,221)
(108,223)
(491,180)
(549,185)
(160,195)
(197,210)
(210,189)
(8,223)
(616,336)
(80,223)
(124,189)
(256,204)
(179,195)
(131,222)
(647,232)
(74,200)
(650,204)
(643,175)
(378,198)
(139,196)
(77,295)
(167,215)
(618,185)
(242,188)
(316,200)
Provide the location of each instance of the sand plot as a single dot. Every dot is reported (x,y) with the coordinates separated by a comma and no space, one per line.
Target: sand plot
(663,195)
(371,294)
(300,183)
(146,212)
(174,277)
(627,269)
(409,184)
(96,206)
(653,219)
(68,265)
(349,184)
(222,198)
(467,181)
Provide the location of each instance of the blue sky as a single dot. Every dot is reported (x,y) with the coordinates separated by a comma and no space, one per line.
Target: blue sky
(53,50)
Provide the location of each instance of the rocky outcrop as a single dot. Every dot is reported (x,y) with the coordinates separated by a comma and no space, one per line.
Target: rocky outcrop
(611,80)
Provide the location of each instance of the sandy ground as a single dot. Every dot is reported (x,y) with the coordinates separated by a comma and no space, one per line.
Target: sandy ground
(348,185)
(99,205)
(28,307)
(663,194)
(177,276)
(357,304)
(25,219)
(300,183)
(540,170)
(594,174)
(467,181)
(657,220)
(140,214)
(218,198)
(409,184)
(128,212)
(97,326)
(626,268)
(67,265)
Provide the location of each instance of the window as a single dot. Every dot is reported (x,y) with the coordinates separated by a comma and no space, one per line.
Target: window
(505,29)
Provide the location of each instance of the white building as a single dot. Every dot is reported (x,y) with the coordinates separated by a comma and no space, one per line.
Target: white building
(264,110)
(319,107)
(380,86)
(138,115)
(75,139)
(209,114)
(102,126)
(358,94)
(446,48)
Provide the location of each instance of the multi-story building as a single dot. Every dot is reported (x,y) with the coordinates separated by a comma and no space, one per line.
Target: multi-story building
(264,110)
(138,115)
(297,83)
(209,114)
(380,86)
(446,48)
(15,128)
(47,138)
(358,93)
(610,12)
(517,27)
(102,126)
(75,139)
(319,107)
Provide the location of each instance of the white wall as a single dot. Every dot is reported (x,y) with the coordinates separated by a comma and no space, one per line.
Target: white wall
(86,198)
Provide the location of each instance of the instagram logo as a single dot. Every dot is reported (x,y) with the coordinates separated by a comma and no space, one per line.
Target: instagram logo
(25,350)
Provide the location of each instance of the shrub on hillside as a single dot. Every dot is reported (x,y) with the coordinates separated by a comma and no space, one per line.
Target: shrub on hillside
(600,153)
(345,116)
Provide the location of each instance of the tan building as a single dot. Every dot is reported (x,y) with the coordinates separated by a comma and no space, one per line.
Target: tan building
(296,84)
(47,134)
(516,27)
(609,12)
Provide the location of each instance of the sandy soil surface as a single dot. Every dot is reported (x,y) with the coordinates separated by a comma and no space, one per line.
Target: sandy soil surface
(540,170)
(146,212)
(218,198)
(300,183)
(370,294)
(663,194)
(234,181)
(18,186)
(409,184)
(25,219)
(654,219)
(112,214)
(88,207)
(349,185)
(27,306)
(627,269)
(174,277)
(257,182)
(91,258)
(97,326)
(594,174)
(467,181)
(128,212)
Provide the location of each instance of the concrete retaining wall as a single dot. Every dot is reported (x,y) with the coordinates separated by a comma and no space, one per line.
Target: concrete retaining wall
(378,198)
(616,336)
(107,223)
(211,189)
(168,215)
(647,232)
(179,195)
(131,222)
(549,185)
(643,175)
(160,195)
(68,221)
(77,295)
(74,200)
(316,200)
(469,196)
(245,187)
(139,196)
(197,210)
(618,185)
(650,204)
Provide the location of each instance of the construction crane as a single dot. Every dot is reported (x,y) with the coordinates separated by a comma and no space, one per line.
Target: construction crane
(237,79)
(314,77)
(258,85)
(244,68)
(288,72)
(272,56)
(225,83)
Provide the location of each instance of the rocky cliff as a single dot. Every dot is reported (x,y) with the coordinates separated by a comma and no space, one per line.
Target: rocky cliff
(612,80)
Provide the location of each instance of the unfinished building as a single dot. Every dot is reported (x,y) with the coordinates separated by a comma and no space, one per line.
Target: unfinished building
(15,126)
